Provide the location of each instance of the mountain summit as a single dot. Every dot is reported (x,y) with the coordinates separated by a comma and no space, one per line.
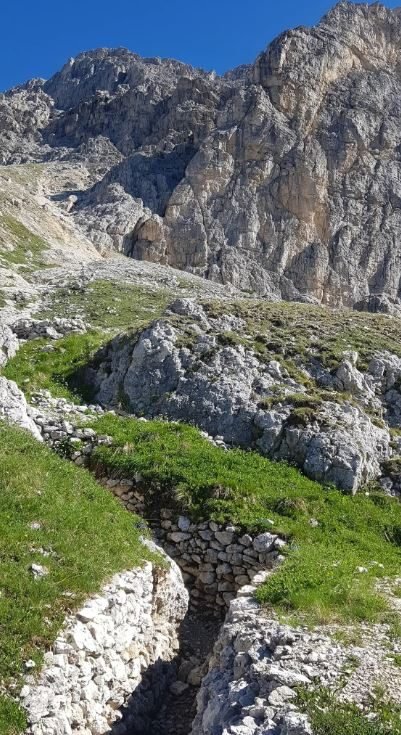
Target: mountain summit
(281,177)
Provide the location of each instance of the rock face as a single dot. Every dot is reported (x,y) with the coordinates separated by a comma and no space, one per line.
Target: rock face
(8,344)
(101,656)
(55,328)
(281,177)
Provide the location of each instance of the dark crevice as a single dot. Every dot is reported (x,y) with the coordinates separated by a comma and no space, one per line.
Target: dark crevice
(164,703)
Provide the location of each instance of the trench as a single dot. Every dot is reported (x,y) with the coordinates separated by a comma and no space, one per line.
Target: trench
(165,701)
(216,560)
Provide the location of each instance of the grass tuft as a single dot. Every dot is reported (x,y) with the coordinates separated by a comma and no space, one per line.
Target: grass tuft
(296,333)
(59,371)
(328,716)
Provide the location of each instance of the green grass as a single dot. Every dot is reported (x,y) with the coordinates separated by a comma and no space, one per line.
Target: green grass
(293,333)
(28,248)
(12,717)
(306,406)
(89,537)
(109,307)
(319,578)
(328,716)
(109,304)
(58,371)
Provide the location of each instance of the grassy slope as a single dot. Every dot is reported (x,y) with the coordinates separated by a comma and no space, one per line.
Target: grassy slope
(320,576)
(330,717)
(109,304)
(89,537)
(109,307)
(33,369)
(291,333)
(27,249)
(297,332)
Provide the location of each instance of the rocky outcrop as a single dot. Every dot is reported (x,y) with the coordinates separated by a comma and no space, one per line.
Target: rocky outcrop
(24,111)
(50,328)
(281,177)
(259,665)
(14,408)
(228,391)
(8,344)
(103,653)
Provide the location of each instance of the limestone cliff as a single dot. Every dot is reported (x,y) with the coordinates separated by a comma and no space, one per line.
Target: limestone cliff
(281,177)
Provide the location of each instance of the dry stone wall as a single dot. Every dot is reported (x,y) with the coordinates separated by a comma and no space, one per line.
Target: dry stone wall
(260,665)
(103,653)
(216,559)
(254,672)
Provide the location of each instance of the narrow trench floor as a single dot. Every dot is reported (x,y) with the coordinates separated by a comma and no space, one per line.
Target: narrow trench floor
(177,709)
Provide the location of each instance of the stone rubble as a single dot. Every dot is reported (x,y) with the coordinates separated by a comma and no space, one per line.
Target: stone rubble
(258,665)
(54,328)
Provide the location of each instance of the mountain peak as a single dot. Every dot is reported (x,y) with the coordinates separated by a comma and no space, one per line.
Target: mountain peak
(281,177)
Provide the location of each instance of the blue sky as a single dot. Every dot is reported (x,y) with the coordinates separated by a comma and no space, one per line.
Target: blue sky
(38,36)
